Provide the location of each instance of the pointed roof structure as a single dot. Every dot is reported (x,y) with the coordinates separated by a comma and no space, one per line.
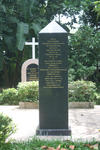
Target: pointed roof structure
(53,27)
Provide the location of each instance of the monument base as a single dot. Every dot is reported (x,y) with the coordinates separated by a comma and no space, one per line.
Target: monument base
(53,132)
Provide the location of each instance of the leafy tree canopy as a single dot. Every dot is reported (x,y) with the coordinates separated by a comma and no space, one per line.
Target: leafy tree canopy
(84,57)
(20,20)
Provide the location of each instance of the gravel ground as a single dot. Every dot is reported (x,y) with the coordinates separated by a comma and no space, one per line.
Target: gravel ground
(84,123)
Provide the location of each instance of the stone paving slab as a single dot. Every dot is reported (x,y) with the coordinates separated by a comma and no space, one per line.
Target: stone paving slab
(84,123)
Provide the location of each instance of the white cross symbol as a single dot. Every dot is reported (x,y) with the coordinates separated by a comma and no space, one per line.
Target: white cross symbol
(33,43)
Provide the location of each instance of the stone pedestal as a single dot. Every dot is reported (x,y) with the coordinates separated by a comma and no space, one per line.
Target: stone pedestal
(53,132)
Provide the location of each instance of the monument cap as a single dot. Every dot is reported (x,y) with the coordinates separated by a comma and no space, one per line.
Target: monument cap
(53,27)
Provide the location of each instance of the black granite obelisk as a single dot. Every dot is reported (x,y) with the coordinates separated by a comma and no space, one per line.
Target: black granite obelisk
(53,81)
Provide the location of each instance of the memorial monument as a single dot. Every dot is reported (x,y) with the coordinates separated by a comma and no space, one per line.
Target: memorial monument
(53,81)
(29,70)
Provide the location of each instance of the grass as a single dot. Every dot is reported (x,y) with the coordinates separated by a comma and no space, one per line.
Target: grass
(36,144)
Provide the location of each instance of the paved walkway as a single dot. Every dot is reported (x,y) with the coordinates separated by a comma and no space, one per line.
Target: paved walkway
(84,123)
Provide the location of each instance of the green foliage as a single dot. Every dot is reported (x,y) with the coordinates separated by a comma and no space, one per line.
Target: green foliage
(22,29)
(84,54)
(97,95)
(90,15)
(35,27)
(7,127)
(37,144)
(28,91)
(71,75)
(82,91)
(97,8)
(1,98)
(20,20)
(9,96)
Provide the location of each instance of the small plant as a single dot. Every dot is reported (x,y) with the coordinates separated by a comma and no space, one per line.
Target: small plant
(7,127)
(28,91)
(82,91)
(9,96)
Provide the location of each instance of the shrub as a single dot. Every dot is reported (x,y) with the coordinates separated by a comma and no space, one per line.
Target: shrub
(82,91)
(97,95)
(1,98)
(28,91)
(71,75)
(10,96)
(7,127)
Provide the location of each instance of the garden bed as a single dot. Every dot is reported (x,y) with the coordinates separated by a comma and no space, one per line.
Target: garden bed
(84,105)
(28,105)
(79,105)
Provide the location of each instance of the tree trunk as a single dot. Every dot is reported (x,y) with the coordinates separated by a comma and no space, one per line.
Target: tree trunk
(17,73)
(6,75)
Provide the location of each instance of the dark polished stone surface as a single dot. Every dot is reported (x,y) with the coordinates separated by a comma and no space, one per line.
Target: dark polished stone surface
(32,72)
(53,83)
